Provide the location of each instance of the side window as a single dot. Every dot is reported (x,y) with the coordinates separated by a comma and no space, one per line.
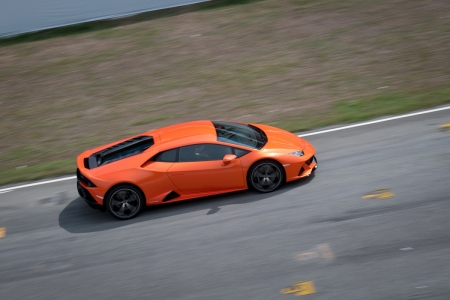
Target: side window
(167,156)
(203,152)
(240,152)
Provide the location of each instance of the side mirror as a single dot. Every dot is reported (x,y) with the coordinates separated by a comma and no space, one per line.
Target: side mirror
(228,158)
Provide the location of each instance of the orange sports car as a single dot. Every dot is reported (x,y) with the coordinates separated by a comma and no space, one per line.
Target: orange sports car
(190,160)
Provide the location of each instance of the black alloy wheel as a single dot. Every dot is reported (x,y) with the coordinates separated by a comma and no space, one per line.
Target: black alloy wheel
(124,202)
(265,176)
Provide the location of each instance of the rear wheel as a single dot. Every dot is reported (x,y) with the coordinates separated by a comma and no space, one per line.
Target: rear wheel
(124,202)
(265,176)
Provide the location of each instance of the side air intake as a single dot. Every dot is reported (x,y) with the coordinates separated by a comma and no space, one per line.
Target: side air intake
(170,196)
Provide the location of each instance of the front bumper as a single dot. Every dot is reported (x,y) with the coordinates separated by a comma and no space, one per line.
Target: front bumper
(302,169)
(308,167)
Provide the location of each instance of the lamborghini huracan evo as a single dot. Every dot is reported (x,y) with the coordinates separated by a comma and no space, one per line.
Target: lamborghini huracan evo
(190,160)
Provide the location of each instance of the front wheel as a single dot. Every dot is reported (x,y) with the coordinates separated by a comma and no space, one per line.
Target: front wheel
(124,202)
(265,176)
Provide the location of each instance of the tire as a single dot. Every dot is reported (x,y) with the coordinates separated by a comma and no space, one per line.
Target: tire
(317,165)
(265,176)
(124,202)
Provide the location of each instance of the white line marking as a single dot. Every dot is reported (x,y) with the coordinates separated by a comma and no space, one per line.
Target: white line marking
(36,183)
(376,121)
(407,249)
(300,135)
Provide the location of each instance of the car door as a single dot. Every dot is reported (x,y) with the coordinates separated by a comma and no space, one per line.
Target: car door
(156,181)
(200,168)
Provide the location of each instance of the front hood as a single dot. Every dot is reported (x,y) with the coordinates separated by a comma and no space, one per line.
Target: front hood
(281,139)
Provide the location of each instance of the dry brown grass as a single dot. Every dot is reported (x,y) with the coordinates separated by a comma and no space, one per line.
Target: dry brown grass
(272,61)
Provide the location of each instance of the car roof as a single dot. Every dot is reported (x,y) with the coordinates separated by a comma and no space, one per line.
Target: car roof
(178,135)
(185,133)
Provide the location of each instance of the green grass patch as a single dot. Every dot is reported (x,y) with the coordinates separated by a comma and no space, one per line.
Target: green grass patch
(148,121)
(363,109)
(357,110)
(224,3)
(39,171)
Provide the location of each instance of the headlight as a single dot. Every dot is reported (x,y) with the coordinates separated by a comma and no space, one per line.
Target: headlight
(297,153)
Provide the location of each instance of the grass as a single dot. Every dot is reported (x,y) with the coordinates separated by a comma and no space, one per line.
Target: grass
(38,171)
(149,121)
(362,109)
(295,64)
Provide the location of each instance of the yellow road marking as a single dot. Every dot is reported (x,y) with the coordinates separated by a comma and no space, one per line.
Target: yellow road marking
(306,255)
(444,127)
(379,194)
(300,288)
(2,232)
(326,252)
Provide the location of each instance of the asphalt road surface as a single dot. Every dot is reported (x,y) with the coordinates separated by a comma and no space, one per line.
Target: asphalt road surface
(336,232)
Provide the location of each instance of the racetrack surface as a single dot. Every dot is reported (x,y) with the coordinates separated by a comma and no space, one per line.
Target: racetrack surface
(331,229)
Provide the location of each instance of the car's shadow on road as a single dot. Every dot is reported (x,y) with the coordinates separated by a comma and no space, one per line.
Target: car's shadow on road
(78,217)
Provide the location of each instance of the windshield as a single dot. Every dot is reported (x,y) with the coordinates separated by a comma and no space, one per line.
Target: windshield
(245,135)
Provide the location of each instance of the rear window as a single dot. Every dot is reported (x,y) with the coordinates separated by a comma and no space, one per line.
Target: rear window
(245,135)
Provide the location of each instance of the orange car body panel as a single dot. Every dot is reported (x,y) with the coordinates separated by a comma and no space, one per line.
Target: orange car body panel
(194,179)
